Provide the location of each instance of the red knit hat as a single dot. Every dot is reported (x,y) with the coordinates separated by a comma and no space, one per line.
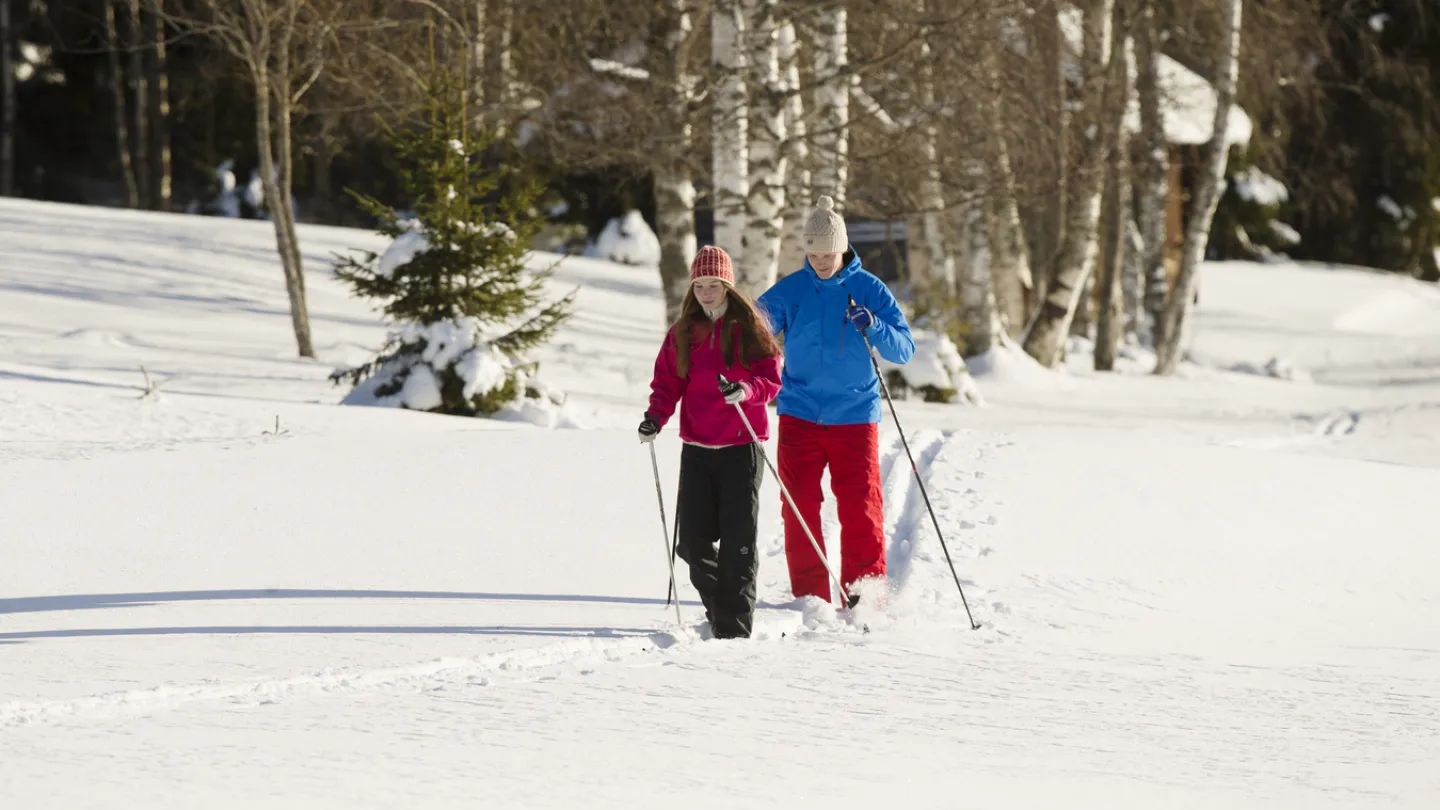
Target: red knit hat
(712,262)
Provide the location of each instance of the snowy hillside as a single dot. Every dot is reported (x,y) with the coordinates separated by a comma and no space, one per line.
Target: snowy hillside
(1195,592)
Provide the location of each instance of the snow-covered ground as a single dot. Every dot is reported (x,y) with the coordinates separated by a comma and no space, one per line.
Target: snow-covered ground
(1195,592)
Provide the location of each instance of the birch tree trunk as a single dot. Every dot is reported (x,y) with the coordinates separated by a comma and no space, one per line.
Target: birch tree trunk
(7,103)
(499,69)
(674,184)
(1109,322)
(117,91)
(1132,279)
(933,275)
(272,141)
(478,32)
(831,136)
(284,204)
(1152,157)
(1109,318)
(765,202)
(164,177)
(730,155)
(797,175)
(1207,194)
(1009,253)
(139,88)
(1045,340)
(1050,44)
(977,314)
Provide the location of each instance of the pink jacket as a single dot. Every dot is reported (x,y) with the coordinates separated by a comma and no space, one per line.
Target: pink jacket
(705,417)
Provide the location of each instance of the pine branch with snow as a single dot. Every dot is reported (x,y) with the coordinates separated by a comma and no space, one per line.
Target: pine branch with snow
(455,278)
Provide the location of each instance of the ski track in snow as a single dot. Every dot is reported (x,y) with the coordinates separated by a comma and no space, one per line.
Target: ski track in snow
(910,541)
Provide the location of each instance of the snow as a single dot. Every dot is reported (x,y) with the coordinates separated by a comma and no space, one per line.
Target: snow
(1286,234)
(1198,591)
(1254,185)
(1378,22)
(1187,100)
(619,69)
(1390,207)
(403,249)
(936,361)
(627,240)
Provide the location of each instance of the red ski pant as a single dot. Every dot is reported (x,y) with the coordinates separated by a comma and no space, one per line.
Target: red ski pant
(852,454)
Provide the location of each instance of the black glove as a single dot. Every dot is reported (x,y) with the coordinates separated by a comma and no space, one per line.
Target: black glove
(649,429)
(734,392)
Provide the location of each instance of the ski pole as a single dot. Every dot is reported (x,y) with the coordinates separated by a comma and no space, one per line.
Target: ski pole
(655,465)
(671,594)
(844,595)
(886,390)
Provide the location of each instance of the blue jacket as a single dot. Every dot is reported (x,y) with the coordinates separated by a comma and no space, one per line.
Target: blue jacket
(828,378)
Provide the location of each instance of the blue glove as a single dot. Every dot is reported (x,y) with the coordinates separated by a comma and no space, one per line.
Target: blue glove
(860,317)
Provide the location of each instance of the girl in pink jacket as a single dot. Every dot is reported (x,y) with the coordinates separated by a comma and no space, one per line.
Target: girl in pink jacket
(720,353)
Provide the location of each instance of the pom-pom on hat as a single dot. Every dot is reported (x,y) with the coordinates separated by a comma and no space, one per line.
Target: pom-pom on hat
(825,229)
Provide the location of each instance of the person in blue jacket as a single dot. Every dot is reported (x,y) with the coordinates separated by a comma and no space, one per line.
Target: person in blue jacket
(829,402)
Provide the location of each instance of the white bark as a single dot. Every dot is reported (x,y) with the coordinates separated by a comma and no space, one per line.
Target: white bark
(833,82)
(1009,253)
(1206,197)
(933,275)
(765,204)
(730,156)
(978,317)
(279,206)
(674,185)
(1045,338)
(792,244)
(164,177)
(499,79)
(1150,171)
(279,182)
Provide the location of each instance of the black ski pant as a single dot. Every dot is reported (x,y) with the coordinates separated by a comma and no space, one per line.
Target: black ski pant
(718,508)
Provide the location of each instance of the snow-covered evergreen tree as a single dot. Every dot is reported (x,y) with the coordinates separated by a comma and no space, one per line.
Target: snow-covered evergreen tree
(455,280)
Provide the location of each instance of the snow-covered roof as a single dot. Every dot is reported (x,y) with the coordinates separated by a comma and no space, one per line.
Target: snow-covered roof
(1187,100)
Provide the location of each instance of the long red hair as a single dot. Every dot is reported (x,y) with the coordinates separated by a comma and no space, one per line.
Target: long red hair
(757,342)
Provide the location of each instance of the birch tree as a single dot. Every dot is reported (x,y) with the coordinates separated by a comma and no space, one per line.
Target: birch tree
(797,176)
(1207,193)
(139,91)
(163,183)
(1109,320)
(1045,340)
(265,36)
(768,161)
(933,275)
(495,29)
(1009,259)
(1048,55)
(977,313)
(7,102)
(830,138)
(730,142)
(117,92)
(1151,158)
(674,182)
